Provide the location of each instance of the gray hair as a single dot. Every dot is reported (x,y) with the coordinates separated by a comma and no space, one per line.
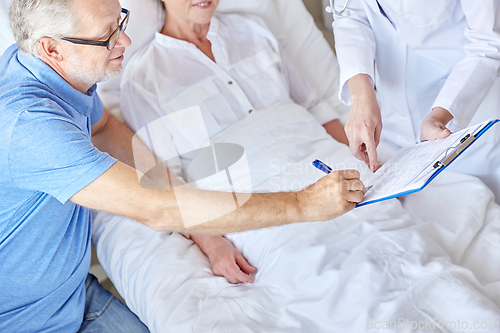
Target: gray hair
(31,20)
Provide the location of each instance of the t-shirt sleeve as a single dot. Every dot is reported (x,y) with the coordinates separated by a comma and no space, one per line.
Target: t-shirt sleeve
(49,152)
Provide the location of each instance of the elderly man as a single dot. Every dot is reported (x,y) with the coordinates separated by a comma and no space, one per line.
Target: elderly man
(51,173)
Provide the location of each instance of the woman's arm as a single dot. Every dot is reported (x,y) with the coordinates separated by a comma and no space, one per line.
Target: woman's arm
(336,130)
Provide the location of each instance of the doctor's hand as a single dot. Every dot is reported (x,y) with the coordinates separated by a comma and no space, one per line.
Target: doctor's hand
(225,259)
(364,124)
(331,196)
(434,125)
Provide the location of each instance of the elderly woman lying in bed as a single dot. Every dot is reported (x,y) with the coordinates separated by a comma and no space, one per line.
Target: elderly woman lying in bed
(232,67)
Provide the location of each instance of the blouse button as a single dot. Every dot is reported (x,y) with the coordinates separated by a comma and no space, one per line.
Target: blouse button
(250,111)
(230,82)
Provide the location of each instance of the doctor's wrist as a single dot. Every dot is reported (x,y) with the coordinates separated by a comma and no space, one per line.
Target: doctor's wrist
(440,114)
(360,87)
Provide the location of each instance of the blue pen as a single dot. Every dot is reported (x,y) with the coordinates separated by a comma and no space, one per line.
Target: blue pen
(322,166)
(326,169)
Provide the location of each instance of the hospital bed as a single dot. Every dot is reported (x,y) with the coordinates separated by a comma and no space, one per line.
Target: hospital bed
(428,262)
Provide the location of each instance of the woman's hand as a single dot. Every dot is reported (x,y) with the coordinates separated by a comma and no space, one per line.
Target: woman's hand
(434,125)
(364,124)
(225,259)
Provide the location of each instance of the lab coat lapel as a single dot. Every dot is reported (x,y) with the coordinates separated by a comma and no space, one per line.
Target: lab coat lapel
(377,8)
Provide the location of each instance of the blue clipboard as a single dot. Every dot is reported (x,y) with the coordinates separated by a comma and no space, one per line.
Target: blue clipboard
(465,143)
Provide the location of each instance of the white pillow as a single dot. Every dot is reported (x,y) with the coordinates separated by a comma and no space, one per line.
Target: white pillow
(6,37)
(266,9)
(306,45)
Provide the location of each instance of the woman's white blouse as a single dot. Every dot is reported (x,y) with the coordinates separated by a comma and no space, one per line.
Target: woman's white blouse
(250,73)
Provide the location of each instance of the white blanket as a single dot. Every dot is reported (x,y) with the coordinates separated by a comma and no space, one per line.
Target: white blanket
(434,258)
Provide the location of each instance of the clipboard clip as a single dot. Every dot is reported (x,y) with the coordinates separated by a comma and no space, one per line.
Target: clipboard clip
(464,143)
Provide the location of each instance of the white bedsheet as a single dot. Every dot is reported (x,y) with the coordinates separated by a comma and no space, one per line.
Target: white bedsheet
(436,254)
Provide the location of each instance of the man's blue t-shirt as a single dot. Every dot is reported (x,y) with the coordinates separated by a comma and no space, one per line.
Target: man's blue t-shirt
(46,157)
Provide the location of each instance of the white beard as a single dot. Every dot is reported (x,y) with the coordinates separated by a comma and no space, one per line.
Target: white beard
(90,76)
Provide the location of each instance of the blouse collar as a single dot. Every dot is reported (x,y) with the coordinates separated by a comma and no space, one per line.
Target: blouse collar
(172,42)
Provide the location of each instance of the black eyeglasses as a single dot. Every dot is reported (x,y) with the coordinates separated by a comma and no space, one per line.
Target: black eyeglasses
(111,41)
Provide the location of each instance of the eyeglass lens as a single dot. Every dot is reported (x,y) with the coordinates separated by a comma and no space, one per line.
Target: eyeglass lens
(116,34)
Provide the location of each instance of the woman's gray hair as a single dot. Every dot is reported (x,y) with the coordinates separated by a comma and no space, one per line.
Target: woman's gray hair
(31,20)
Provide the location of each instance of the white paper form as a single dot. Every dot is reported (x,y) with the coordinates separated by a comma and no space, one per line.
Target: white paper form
(412,167)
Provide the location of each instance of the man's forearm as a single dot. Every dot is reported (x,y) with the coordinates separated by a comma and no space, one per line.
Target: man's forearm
(213,212)
(183,209)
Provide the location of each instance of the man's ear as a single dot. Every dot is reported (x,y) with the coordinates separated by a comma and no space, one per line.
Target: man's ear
(51,49)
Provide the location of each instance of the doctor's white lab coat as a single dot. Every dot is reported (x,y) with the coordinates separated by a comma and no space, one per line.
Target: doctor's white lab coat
(426,53)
